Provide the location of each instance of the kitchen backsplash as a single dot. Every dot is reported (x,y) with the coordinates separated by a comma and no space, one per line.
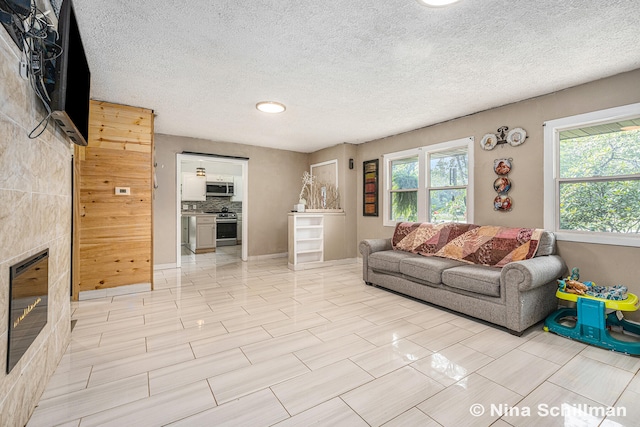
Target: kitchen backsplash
(213,204)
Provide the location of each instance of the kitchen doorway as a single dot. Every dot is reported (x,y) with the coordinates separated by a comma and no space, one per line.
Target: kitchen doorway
(231,170)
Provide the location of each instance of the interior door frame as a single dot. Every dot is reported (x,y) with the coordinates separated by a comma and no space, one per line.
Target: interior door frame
(244,163)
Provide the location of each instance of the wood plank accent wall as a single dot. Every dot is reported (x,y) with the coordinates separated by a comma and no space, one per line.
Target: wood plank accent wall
(113,234)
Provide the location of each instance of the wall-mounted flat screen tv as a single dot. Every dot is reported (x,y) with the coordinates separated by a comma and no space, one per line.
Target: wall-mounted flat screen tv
(69,92)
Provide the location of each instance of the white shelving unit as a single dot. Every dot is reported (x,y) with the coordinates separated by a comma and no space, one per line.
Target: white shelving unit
(306,240)
(317,239)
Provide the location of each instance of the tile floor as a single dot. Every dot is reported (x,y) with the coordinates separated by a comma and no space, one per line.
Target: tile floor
(221,342)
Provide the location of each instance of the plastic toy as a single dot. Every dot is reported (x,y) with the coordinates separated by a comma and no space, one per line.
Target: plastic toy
(572,285)
(595,316)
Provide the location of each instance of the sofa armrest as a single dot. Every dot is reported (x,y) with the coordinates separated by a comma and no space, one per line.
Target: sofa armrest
(534,272)
(369,246)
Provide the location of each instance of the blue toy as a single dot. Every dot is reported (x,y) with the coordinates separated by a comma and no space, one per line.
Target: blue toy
(592,322)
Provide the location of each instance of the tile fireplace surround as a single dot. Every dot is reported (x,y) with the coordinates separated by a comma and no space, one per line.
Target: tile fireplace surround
(35,213)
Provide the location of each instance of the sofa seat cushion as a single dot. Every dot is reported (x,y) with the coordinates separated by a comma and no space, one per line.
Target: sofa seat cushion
(427,268)
(479,279)
(389,261)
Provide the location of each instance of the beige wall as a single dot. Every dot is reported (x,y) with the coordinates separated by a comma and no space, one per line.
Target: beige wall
(35,214)
(346,186)
(604,264)
(274,186)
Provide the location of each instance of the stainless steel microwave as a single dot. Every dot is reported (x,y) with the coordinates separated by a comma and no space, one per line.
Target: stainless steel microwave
(220,189)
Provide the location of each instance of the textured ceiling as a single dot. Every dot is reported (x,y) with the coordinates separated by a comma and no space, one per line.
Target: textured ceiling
(347,70)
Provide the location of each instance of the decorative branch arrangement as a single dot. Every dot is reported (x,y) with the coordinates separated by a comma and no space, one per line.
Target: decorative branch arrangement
(307,183)
(318,195)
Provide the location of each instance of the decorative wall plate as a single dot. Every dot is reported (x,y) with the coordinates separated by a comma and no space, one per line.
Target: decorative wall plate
(502,166)
(516,136)
(502,185)
(488,142)
(502,202)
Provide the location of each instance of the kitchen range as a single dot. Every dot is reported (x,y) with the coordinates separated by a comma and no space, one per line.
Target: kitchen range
(226,227)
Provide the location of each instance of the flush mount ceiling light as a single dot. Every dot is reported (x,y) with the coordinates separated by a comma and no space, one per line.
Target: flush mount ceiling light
(270,107)
(437,3)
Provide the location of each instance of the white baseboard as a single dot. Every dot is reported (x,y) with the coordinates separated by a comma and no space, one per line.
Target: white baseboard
(165,266)
(321,264)
(269,256)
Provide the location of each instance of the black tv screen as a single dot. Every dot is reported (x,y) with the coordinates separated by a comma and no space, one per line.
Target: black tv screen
(70,90)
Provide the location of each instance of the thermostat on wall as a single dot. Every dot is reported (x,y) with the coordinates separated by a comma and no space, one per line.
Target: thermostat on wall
(123,191)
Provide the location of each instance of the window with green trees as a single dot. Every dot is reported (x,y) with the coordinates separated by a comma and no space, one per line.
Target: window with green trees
(447,185)
(429,183)
(404,189)
(599,179)
(592,176)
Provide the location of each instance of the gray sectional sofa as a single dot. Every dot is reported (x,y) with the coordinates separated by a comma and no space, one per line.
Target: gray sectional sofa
(516,296)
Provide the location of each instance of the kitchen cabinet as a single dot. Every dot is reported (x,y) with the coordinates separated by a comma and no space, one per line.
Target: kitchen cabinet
(239,233)
(194,188)
(205,236)
(219,178)
(237,189)
(185,230)
(202,233)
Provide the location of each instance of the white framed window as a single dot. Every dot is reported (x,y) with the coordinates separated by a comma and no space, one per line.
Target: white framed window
(429,184)
(592,176)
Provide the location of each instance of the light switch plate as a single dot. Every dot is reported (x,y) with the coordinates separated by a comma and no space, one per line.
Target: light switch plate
(123,191)
(24,70)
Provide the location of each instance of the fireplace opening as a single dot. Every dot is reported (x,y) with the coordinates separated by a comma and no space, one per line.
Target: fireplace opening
(28,304)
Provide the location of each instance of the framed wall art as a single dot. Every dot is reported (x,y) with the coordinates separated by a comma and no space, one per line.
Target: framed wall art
(370,193)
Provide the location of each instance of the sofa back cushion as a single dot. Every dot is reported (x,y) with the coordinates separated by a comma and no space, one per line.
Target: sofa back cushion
(425,238)
(547,244)
(487,245)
